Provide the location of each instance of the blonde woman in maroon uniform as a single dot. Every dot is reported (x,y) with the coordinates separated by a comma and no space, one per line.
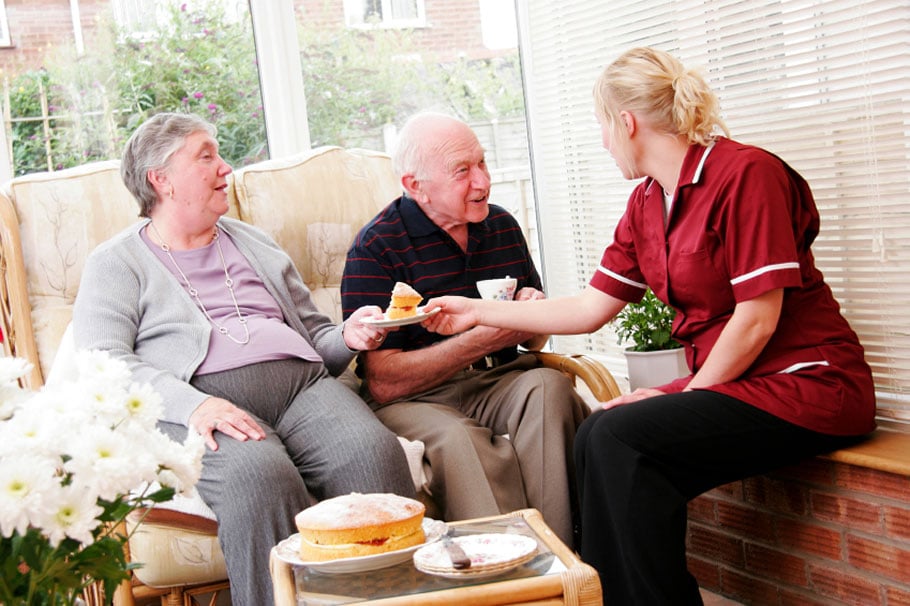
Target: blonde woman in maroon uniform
(722,232)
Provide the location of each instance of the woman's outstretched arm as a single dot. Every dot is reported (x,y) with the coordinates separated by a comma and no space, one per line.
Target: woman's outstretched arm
(578,314)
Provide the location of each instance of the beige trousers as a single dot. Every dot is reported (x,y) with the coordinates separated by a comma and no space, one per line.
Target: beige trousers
(475,470)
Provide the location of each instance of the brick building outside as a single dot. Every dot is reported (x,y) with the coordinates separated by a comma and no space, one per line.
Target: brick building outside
(453,28)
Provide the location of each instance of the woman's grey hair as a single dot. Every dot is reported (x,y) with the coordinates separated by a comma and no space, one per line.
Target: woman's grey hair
(412,149)
(150,147)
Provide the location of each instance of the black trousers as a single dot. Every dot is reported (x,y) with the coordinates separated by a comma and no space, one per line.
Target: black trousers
(639,465)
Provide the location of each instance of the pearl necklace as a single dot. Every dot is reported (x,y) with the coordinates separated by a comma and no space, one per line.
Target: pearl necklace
(228,281)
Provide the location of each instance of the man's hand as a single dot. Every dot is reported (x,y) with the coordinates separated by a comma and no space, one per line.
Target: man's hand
(217,414)
(532,341)
(529,293)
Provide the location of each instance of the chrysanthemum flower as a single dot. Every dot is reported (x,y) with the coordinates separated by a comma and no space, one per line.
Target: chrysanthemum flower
(143,403)
(13,368)
(73,513)
(24,483)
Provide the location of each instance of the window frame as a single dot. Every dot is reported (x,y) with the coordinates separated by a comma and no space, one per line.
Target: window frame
(354,10)
(6,39)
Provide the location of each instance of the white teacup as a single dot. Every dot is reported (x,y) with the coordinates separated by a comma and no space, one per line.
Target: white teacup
(500,289)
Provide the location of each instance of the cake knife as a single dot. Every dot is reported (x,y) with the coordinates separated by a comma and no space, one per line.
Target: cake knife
(459,558)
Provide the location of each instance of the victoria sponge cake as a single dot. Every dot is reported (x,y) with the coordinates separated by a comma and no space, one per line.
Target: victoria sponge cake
(404,302)
(358,525)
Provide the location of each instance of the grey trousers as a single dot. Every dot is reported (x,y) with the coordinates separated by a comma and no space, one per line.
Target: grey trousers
(474,470)
(322,441)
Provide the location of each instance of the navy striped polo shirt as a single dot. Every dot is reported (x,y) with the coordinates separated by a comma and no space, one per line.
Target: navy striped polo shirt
(401,244)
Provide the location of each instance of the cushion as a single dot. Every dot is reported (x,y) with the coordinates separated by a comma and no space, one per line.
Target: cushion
(171,554)
(313,204)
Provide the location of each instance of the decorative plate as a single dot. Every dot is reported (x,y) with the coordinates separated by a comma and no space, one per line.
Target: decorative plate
(491,554)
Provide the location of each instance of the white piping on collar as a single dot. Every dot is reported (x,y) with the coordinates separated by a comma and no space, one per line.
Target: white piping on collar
(701,163)
(698,169)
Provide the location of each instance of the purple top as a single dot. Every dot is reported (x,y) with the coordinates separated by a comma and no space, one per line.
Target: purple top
(270,337)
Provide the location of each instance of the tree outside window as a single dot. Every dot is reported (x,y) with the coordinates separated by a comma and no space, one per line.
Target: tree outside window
(79,109)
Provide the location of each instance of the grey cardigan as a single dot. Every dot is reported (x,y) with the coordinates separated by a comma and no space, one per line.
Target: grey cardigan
(130,305)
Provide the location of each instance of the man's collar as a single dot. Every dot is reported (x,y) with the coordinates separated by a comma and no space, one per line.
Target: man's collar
(417,223)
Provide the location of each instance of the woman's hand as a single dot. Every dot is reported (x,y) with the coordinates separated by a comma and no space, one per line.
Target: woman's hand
(457,315)
(217,414)
(642,393)
(360,336)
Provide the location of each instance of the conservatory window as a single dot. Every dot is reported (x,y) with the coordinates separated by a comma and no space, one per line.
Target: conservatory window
(384,13)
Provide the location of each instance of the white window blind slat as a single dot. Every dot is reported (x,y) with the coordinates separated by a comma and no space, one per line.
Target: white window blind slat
(823,84)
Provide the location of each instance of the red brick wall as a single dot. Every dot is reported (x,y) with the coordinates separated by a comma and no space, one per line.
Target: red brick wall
(452,26)
(819,533)
(39,25)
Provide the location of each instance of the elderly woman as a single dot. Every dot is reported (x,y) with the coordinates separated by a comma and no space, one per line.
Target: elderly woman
(212,313)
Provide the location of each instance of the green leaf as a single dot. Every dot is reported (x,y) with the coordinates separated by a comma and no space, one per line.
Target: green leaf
(647,325)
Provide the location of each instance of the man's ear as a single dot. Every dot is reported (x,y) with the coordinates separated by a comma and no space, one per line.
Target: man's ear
(411,185)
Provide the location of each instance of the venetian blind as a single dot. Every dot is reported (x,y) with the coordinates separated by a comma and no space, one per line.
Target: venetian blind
(823,84)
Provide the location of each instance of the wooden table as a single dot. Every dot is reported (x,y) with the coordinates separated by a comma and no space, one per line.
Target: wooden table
(555,576)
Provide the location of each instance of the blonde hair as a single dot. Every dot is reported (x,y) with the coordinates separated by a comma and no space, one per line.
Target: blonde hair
(675,100)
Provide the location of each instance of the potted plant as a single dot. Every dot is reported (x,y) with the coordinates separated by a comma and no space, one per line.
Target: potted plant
(653,357)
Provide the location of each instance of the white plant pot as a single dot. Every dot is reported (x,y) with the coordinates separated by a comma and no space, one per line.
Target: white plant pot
(653,368)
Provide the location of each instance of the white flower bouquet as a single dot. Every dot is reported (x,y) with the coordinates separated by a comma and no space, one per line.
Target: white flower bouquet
(75,460)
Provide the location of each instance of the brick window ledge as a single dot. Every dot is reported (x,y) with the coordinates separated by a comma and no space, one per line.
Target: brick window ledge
(887,449)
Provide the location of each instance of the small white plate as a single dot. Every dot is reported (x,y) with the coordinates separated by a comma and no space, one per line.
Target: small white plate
(386,323)
(288,550)
(491,554)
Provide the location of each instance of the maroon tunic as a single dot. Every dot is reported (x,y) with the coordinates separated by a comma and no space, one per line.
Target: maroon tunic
(741,224)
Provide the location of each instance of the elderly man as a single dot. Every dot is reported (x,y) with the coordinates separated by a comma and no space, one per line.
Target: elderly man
(463,394)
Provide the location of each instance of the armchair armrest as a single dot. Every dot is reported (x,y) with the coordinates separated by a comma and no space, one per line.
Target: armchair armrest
(577,366)
(18,334)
